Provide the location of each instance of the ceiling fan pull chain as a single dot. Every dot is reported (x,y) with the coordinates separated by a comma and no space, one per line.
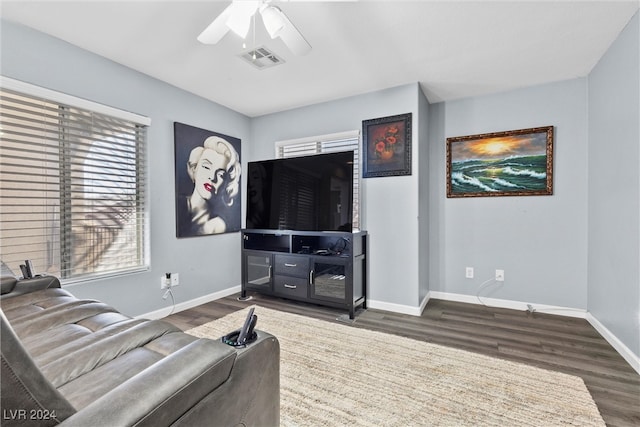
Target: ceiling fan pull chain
(254,36)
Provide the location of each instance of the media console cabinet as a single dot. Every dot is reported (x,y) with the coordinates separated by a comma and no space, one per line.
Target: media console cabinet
(325,268)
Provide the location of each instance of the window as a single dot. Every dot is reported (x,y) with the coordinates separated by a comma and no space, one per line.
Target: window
(72,184)
(344,141)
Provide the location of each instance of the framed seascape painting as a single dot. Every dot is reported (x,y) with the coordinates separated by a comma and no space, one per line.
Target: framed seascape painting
(207,176)
(387,146)
(511,163)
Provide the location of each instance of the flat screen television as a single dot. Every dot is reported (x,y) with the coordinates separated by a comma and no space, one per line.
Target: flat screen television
(309,193)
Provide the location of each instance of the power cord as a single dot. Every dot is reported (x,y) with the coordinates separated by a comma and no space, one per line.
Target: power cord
(484,285)
(530,308)
(169,292)
(339,246)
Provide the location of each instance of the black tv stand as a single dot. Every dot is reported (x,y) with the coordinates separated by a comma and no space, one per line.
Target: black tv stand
(325,268)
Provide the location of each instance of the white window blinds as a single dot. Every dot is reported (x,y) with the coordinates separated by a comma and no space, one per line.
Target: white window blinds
(344,141)
(72,187)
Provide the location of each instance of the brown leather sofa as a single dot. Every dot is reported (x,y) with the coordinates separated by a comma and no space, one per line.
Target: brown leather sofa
(73,362)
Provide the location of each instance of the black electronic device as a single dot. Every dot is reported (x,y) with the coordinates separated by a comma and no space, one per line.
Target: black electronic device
(30,270)
(307,193)
(25,272)
(242,337)
(245,335)
(250,332)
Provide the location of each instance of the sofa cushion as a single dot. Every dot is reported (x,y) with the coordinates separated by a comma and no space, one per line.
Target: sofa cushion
(73,365)
(68,315)
(56,352)
(34,302)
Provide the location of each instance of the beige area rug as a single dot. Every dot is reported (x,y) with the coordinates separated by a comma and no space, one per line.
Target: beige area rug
(338,375)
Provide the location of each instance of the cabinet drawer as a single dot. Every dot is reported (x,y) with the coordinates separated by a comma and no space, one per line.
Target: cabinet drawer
(290,286)
(292,265)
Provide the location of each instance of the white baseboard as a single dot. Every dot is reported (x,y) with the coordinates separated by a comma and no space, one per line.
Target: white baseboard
(514,305)
(624,351)
(164,312)
(398,308)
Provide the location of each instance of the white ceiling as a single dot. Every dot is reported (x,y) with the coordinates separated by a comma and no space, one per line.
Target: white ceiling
(454,49)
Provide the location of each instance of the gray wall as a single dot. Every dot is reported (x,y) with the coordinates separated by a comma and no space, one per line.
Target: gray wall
(540,241)
(614,188)
(424,202)
(206,264)
(390,204)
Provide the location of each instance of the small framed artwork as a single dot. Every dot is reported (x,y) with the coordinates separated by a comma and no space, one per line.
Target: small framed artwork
(511,163)
(387,146)
(207,176)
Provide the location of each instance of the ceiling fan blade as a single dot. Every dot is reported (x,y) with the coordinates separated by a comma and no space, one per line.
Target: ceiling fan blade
(291,37)
(218,28)
(240,19)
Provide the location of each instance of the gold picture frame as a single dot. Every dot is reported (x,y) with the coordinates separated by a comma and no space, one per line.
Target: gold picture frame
(510,163)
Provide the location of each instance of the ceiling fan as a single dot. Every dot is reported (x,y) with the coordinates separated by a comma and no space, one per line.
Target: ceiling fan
(237,18)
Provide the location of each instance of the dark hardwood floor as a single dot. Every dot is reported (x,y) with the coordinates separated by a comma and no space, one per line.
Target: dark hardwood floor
(558,343)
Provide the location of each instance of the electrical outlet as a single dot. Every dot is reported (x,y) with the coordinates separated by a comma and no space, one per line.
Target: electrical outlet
(175,279)
(169,280)
(499,275)
(469,273)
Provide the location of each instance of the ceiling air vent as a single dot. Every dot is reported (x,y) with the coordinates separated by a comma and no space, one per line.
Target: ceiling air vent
(261,58)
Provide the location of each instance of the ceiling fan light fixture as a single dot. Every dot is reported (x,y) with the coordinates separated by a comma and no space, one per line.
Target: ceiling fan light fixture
(237,18)
(273,20)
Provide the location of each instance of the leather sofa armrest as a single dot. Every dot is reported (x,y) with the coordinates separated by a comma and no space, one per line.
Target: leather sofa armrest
(162,393)
(24,389)
(25,286)
(251,396)
(7,283)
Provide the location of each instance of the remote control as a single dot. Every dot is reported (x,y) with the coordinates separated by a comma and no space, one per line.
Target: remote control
(30,270)
(25,272)
(242,337)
